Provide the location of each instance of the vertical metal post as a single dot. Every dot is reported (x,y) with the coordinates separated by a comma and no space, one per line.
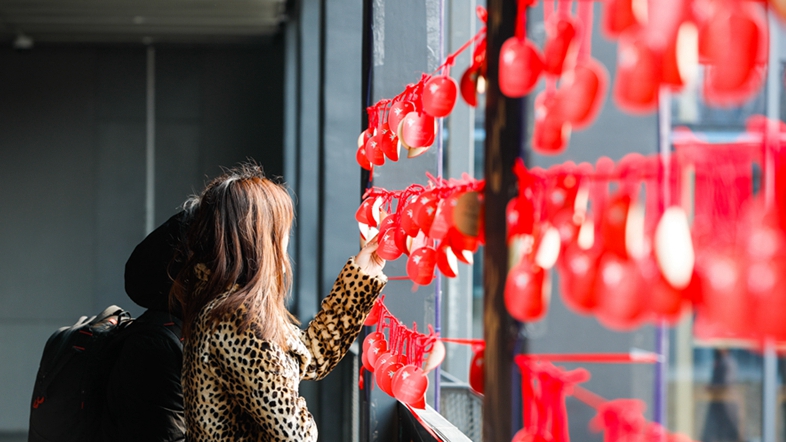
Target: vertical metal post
(505,134)
(770,375)
(440,161)
(150,148)
(662,332)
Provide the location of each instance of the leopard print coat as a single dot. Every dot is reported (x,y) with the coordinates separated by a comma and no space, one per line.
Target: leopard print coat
(238,387)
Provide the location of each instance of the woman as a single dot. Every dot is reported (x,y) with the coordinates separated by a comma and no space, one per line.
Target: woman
(244,357)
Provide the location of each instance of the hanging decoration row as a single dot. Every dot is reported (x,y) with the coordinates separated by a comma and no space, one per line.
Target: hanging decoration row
(408,120)
(658,47)
(398,360)
(436,226)
(632,255)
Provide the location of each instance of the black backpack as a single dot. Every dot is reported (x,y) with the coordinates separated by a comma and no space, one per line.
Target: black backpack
(69,395)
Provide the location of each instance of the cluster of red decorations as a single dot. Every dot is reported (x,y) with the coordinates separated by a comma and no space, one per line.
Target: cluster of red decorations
(622,420)
(446,211)
(544,388)
(408,120)
(398,360)
(740,238)
(661,47)
(566,58)
(614,262)
(626,262)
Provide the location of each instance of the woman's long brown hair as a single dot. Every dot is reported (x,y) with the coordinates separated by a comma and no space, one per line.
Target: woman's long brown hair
(239,230)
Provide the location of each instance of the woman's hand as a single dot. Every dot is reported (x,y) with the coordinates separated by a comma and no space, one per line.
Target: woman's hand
(369,262)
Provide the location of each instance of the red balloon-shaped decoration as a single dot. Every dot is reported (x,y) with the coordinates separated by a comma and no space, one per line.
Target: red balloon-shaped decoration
(374,150)
(375,350)
(527,292)
(580,100)
(418,130)
(578,270)
(551,133)
(421,264)
(638,78)
(385,372)
(724,299)
(362,159)
(618,16)
(409,385)
(477,371)
(520,66)
(729,43)
(469,86)
(388,142)
(439,96)
(766,280)
(621,299)
(388,250)
(558,43)
(397,112)
(665,301)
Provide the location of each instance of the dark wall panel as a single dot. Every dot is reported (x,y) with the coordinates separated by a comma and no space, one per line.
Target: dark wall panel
(73,170)
(47,163)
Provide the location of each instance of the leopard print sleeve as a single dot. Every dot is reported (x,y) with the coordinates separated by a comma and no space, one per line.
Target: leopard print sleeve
(338,323)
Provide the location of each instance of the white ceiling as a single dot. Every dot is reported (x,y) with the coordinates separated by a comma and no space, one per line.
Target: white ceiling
(140,20)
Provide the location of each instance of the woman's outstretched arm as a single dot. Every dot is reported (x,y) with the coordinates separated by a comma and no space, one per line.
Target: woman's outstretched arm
(330,334)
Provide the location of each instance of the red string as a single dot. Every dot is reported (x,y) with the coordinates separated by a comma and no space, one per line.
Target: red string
(521,23)
(596,358)
(585,15)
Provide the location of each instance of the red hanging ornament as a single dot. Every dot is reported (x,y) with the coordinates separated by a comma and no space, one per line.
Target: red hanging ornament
(421,264)
(439,96)
(520,61)
(397,112)
(561,36)
(527,292)
(638,79)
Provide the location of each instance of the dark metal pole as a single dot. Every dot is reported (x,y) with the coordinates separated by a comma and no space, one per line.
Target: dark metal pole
(365,430)
(505,133)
